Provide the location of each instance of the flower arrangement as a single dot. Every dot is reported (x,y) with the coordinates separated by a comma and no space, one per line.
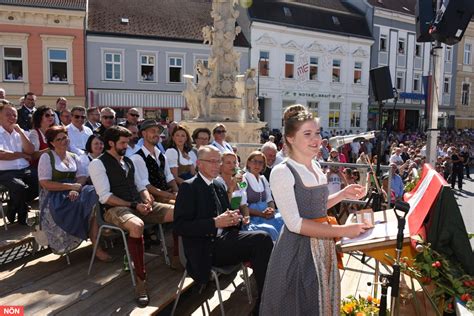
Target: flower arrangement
(409,186)
(361,306)
(447,281)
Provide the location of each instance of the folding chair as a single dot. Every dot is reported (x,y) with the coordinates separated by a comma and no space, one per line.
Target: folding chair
(215,272)
(4,197)
(104,225)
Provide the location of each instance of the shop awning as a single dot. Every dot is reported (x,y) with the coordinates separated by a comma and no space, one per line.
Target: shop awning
(139,99)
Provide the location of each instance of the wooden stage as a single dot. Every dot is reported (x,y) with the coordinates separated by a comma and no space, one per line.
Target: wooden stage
(46,285)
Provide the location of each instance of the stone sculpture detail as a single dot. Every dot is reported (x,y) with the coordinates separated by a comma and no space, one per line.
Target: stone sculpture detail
(218,95)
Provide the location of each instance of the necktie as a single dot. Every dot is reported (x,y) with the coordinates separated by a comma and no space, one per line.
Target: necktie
(216,199)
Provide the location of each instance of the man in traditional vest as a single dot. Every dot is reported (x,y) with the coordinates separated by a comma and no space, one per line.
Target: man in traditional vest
(127,204)
(152,167)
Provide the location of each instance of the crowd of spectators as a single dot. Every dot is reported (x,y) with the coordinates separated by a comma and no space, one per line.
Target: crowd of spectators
(82,159)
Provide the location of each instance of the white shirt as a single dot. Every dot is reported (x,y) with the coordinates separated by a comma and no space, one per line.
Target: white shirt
(355,146)
(282,182)
(172,155)
(78,138)
(396,159)
(225,148)
(259,185)
(100,180)
(45,172)
(11,143)
(131,151)
(141,171)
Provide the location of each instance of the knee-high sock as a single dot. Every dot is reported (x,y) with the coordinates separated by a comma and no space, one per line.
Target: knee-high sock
(136,248)
(175,245)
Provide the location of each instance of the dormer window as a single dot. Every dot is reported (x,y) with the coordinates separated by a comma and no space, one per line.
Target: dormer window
(335,20)
(287,11)
(124,20)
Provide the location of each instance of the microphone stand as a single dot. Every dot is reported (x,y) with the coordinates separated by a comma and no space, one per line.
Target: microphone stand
(393,280)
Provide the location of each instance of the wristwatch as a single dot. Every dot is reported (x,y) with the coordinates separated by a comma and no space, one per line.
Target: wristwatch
(133,205)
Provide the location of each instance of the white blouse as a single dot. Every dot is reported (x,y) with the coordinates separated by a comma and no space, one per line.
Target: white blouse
(45,172)
(258,185)
(172,156)
(282,182)
(34,138)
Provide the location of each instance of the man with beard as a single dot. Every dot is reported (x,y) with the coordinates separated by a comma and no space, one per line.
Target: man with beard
(127,204)
(132,144)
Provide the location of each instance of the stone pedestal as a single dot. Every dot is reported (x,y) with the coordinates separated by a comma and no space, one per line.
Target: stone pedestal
(246,136)
(225,109)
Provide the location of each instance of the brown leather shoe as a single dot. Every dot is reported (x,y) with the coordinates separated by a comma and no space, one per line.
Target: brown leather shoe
(141,295)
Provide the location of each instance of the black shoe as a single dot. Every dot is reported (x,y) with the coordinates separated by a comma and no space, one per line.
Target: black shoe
(141,295)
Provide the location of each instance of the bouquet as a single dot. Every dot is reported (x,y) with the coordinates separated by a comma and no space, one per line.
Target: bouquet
(362,306)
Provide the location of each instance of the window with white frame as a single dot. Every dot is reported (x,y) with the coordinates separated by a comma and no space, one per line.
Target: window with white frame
(57,60)
(264,64)
(383,43)
(356,111)
(357,72)
(334,114)
(313,107)
(313,68)
(113,66)
(446,85)
(418,50)
(289,66)
(401,46)
(13,63)
(400,80)
(466,87)
(336,70)
(416,82)
(147,67)
(448,56)
(175,69)
(467,53)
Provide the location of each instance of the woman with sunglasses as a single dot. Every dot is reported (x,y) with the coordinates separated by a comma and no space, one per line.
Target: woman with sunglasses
(43,118)
(219,132)
(66,203)
(181,158)
(258,198)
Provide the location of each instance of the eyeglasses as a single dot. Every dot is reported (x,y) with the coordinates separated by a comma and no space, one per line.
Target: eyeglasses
(220,131)
(257,162)
(108,117)
(48,115)
(61,139)
(203,138)
(134,115)
(79,117)
(215,162)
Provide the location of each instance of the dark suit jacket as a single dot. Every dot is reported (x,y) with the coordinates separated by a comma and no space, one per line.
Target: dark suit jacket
(194,211)
(24,118)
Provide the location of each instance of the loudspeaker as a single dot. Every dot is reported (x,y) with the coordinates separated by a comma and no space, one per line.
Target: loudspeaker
(381,83)
(452,20)
(424,15)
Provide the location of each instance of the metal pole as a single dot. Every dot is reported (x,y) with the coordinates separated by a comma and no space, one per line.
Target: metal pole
(433,132)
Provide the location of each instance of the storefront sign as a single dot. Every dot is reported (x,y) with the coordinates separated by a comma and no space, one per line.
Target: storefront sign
(302,67)
(317,95)
(412,96)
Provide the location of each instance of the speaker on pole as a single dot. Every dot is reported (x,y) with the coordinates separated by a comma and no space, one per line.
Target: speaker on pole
(451,21)
(381,83)
(424,15)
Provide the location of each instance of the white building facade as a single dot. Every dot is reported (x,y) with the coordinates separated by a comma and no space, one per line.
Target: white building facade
(327,72)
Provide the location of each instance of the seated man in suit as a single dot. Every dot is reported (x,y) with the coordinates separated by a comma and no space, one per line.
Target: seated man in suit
(210,231)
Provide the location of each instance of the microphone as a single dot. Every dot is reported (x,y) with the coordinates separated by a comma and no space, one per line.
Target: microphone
(338,141)
(419,247)
(402,206)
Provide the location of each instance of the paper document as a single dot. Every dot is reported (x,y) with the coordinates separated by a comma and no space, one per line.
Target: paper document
(380,230)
